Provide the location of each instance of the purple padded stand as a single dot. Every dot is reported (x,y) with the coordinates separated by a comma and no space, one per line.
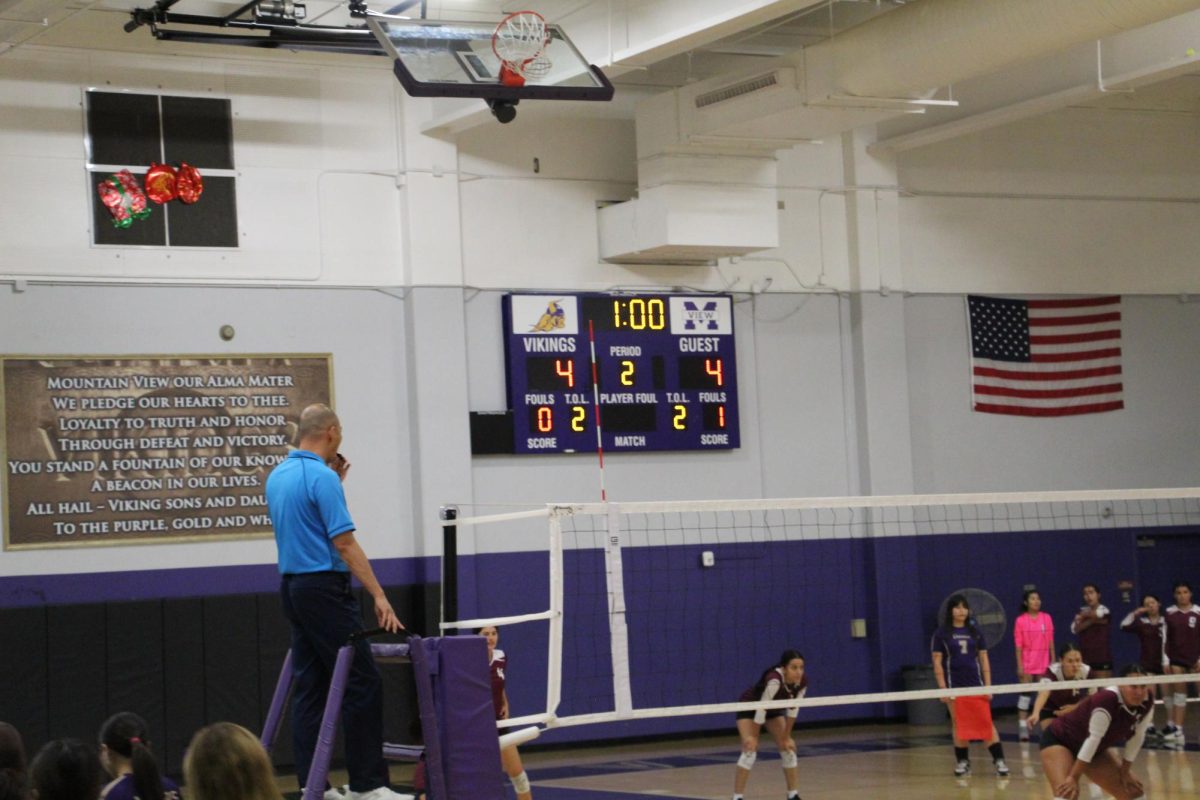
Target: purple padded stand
(454,700)
(470,743)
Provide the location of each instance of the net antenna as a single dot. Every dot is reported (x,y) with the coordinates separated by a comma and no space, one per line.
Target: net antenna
(520,42)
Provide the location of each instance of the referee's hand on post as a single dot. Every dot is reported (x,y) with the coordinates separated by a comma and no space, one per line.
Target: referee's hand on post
(386,616)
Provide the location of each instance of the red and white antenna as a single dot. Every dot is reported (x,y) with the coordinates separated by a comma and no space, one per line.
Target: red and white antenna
(596,404)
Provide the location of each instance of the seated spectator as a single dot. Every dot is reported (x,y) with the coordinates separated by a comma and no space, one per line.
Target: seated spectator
(65,769)
(125,755)
(227,762)
(12,763)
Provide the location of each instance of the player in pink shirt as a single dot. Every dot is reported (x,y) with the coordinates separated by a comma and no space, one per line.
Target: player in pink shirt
(1033,632)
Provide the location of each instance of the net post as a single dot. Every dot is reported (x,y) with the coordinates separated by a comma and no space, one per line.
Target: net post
(449,565)
(617,628)
(554,656)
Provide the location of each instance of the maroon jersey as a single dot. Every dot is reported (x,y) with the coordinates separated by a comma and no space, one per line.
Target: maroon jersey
(1066,695)
(772,686)
(1100,721)
(420,779)
(1152,638)
(1183,635)
(1093,640)
(498,664)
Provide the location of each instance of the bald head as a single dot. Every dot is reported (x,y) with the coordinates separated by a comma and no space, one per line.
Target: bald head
(316,420)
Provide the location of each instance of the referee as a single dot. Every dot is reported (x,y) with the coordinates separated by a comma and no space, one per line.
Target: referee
(317,555)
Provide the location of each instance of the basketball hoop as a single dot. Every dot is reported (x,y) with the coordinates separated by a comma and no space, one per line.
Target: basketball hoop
(518,42)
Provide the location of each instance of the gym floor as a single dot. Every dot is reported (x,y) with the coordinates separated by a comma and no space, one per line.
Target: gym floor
(881,762)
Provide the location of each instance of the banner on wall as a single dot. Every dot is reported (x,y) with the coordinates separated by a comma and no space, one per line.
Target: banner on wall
(144,449)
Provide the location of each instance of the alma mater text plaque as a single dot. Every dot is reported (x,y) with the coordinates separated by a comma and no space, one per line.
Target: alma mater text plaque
(104,450)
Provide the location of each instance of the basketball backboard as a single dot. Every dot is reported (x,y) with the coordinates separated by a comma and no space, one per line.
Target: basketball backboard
(437,58)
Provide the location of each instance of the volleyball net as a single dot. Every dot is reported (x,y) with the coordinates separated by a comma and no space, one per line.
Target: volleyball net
(620,612)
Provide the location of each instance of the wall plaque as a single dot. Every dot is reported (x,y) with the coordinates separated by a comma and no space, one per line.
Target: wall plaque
(135,449)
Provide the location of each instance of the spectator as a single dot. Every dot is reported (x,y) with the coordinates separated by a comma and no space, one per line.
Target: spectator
(12,763)
(125,755)
(66,769)
(227,762)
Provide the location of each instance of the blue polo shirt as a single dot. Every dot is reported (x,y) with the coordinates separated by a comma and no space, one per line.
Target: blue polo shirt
(308,508)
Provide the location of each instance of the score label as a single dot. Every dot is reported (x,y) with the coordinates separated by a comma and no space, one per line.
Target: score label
(666,371)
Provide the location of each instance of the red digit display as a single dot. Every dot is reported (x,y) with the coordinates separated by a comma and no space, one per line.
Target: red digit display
(565,369)
(714,367)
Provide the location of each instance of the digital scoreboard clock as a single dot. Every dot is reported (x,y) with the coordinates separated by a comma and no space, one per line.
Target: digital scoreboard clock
(665,365)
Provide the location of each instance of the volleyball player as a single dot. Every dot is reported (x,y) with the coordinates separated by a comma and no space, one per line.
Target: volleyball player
(1150,627)
(1078,742)
(1183,652)
(1091,629)
(510,759)
(1033,633)
(1054,702)
(784,681)
(960,660)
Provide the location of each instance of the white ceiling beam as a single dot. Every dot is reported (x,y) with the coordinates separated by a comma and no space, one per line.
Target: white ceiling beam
(622,35)
(1128,60)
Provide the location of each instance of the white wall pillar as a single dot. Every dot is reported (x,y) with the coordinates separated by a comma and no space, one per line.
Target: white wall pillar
(876,333)
(435,332)
(432,213)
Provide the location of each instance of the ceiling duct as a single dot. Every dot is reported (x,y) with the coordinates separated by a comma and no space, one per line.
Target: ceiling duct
(887,66)
(737,90)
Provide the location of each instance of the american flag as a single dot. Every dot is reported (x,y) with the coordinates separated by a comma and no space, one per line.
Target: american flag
(1045,358)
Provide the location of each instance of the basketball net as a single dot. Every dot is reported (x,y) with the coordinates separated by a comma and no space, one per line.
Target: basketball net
(519,42)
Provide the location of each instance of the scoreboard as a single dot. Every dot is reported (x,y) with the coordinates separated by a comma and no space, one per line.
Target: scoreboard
(665,365)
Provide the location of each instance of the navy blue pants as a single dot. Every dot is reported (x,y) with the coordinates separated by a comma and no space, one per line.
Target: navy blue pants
(324,613)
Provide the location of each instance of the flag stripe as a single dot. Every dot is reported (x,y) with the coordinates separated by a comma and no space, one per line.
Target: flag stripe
(1075,338)
(1063,375)
(1039,386)
(1049,402)
(1087,355)
(1111,316)
(1049,394)
(1077,302)
(1082,347)
(1060,411)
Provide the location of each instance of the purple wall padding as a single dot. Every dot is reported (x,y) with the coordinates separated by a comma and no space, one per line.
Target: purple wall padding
(470,743)
(17,591)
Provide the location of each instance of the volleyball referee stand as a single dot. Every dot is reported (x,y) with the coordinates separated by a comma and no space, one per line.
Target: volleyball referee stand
(454,703)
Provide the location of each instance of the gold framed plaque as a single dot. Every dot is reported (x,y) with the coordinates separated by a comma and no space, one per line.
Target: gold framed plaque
(103,450)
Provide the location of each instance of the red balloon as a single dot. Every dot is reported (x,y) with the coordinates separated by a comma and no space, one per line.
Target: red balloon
(137,198)
(188,183)
(160,183)
(123,197)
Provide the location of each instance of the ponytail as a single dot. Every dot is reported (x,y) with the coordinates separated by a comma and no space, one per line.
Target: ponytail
(146,778)
(125,734)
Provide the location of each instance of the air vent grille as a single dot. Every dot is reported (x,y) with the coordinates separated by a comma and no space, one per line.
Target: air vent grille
(737,90)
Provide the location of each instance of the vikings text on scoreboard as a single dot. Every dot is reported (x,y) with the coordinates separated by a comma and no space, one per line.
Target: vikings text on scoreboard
(666,369)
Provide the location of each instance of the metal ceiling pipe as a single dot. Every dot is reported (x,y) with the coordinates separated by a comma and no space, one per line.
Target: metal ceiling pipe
(932,43)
